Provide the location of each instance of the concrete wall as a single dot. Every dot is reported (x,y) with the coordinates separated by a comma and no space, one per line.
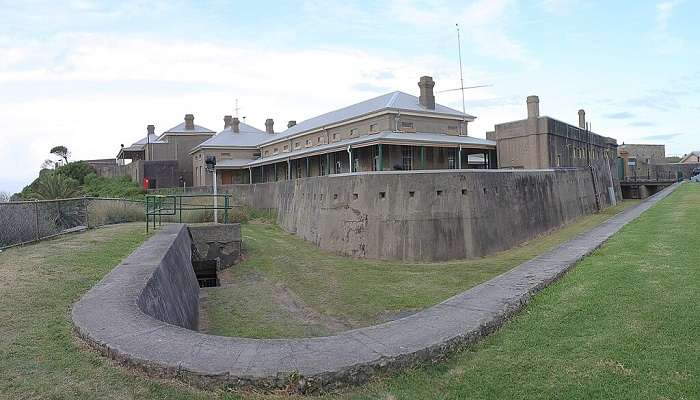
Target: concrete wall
(171,293)
(426,215)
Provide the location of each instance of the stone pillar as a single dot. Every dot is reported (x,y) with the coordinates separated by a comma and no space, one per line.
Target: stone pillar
(582,119)
(269,126)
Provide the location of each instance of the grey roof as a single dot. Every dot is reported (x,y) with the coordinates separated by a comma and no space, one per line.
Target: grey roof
(140,144)
(390,101)
(247,137)
(181,129)
(386,137)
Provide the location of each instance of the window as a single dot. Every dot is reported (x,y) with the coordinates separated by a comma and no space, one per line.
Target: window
(353,131)
(355,161)
(322,165)
(318,139)
(275,150)
(407,158)
(407,126)
(372,128)
(335,137)
(297,146)
(308,142)
(267,153)
(285,148)
(375,158)
(451,159)
(452,129)
(558,160)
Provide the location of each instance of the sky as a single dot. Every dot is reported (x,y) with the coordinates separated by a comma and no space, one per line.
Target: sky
(92,75)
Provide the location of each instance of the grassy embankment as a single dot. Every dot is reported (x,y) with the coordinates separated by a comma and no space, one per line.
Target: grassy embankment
(288,288)
(625,323)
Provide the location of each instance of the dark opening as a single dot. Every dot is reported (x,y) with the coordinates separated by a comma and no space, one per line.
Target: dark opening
(411,194)
(382,195)
(439,192)
(205,271)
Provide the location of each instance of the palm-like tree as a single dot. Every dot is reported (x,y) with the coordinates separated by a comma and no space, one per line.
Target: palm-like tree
(55,186)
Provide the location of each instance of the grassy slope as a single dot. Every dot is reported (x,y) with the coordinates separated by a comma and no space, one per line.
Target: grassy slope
(624,324)
(355,292)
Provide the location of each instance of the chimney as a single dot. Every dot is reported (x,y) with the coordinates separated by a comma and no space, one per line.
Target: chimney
(151,129)
(533,107)
(581,119)
(227,121)
(269,126)
(291,123)
(427,97)
(189,122)
(236,125)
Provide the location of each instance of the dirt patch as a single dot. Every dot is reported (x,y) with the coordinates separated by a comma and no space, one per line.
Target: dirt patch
(284,297)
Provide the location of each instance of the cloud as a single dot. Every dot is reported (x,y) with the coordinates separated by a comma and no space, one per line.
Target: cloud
(662,137)
(666,42)
(93,92)
(483,23)
(642,123)
(619,115)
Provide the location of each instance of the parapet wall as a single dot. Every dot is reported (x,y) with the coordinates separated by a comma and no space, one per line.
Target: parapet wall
(427,215)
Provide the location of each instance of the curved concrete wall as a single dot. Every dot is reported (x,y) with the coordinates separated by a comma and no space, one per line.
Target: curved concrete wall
(121,317)
(427,215)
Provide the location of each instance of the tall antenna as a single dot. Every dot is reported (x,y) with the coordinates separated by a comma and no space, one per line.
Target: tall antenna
(236,109)
(461,75)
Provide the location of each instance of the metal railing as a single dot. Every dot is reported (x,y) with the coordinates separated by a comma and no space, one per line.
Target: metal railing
(23,222)
(171,206)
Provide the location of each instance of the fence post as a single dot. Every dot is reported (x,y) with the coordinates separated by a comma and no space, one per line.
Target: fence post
(36,220)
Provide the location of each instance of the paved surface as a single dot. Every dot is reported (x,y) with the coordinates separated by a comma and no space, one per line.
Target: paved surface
(111,321)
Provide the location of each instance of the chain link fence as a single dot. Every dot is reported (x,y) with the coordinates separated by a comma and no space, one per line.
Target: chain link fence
(30,221)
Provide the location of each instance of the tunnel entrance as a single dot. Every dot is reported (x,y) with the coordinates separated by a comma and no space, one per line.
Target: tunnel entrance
(205,270)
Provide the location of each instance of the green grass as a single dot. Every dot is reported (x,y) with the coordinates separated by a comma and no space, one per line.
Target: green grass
(625,323)
(289,288)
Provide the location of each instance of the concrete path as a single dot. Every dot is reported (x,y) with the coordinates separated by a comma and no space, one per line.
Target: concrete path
(351,357)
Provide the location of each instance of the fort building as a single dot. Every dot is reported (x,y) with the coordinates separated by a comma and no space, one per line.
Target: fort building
(544,142)
(164,160)
(394,131)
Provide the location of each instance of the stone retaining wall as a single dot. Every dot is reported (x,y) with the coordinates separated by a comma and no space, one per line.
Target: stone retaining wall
(427,215)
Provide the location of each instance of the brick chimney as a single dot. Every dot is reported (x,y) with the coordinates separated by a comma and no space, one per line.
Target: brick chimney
(189,122)
(236,125)
(533,107)
(291,123)
(427,97)
(227,121)
(151,129)
(269,126)
(581,119)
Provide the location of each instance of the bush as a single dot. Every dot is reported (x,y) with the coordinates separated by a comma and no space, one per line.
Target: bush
(121,187)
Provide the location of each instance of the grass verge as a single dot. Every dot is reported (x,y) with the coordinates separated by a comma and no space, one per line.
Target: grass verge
(289,288)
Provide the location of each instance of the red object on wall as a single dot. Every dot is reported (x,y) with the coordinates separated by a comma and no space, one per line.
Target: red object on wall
(145,183)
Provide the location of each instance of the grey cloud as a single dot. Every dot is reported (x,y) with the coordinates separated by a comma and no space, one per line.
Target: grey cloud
(662,137)
(619,115)
(642,123)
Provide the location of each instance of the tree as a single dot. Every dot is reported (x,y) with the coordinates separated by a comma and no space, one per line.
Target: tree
(47,164)
(54,186)
(61,151)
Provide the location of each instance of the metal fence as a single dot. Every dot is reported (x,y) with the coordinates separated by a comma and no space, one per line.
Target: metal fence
(29,221)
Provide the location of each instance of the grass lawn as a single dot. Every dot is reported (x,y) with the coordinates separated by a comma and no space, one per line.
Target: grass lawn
(625,323)
(289,288)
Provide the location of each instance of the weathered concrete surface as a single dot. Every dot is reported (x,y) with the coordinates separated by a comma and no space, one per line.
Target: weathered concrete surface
(109,319)
(216,242)
(426,215)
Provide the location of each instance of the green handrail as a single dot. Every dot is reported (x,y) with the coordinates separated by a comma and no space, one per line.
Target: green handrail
(157,206)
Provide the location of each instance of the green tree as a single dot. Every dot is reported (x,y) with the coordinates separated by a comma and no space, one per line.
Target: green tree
(78,170)
(62,152)
(54,186)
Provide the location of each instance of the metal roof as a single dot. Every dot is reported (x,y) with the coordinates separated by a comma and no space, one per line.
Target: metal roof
(391,101)
(385,137)
(180,128)
(247,137)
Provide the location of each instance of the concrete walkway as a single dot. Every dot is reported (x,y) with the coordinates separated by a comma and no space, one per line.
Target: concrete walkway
(351,357)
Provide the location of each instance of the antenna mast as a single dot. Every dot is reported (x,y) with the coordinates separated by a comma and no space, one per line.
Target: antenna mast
(461,75)
(236,109)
